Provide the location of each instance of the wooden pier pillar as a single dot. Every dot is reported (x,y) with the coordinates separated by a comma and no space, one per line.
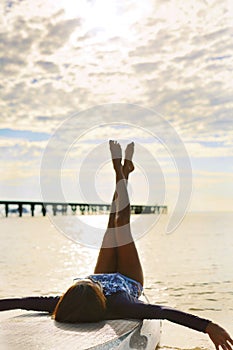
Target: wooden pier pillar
(82,209)
(32,208)
(6,209)
(133,209)
(93,209)
(73,208)
(20,209)
(138,209)
(64,209)
(43,209)
(54,209)
(164,210)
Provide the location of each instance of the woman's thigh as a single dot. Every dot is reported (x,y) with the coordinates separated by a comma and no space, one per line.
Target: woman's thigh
(106,261)
(128,262)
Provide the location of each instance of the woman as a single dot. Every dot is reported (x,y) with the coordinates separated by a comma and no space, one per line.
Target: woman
(113,290)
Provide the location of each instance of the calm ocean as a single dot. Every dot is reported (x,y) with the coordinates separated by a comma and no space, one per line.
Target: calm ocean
(191,269)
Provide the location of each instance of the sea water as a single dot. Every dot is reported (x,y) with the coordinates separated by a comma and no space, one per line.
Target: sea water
(190,269)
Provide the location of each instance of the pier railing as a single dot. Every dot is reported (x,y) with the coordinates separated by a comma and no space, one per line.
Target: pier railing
(74,208)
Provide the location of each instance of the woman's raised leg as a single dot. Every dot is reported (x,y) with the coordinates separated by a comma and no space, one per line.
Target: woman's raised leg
(107,260)
(128,262)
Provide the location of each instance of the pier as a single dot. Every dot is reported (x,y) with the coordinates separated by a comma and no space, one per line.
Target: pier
(74,208)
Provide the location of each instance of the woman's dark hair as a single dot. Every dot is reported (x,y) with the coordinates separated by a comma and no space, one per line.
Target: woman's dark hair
(82,302)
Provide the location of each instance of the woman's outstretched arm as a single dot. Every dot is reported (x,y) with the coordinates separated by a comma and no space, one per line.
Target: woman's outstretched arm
(122,305)
(46,304)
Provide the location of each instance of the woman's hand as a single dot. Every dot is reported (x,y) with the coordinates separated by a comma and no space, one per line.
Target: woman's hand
(219,337)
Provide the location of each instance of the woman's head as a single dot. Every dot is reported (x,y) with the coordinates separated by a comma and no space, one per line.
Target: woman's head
(82,302)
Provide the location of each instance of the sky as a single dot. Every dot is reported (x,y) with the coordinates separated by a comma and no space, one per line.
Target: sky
(150,66)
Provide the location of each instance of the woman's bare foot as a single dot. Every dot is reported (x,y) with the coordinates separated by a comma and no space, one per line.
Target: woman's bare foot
(128,166)
(116,153)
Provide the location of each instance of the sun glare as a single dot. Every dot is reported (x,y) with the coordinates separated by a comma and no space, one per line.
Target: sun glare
(108,18)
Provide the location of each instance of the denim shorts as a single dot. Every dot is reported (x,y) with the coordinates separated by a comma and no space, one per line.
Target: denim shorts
(116,282)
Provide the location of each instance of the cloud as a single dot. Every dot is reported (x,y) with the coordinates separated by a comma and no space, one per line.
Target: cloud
(193,55)
(145,67)
(164,39)
(10,65)
(48,67)
(20,150)
(57,35)
(17,44)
